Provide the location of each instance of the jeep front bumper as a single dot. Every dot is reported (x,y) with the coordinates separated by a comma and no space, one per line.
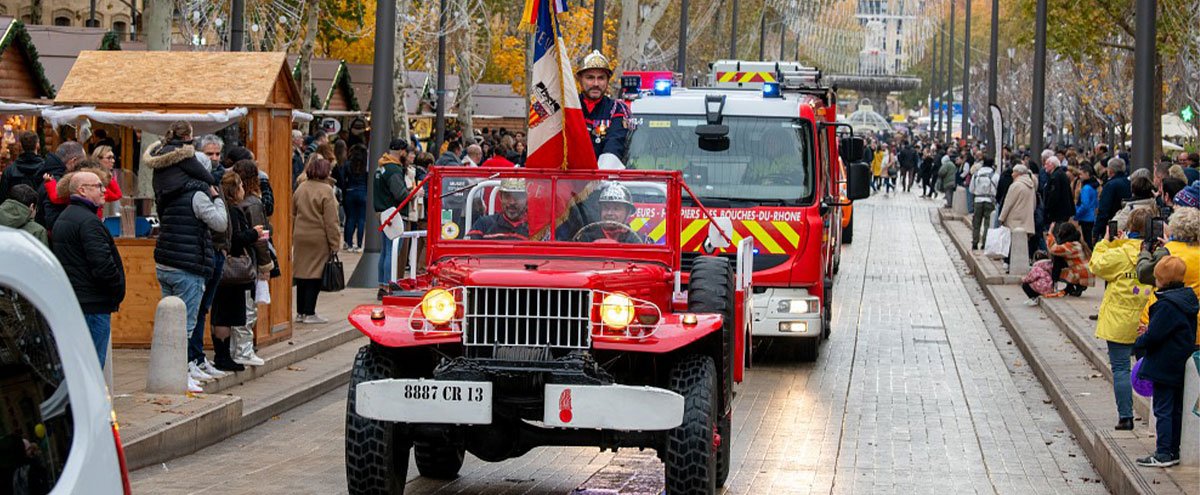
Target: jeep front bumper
(607,407)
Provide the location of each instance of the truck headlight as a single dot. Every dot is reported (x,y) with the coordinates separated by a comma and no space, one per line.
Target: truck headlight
(798,306)
(439,306)
(616,311)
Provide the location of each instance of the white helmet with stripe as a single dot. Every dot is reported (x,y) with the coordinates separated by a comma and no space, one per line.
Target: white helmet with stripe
(614,192)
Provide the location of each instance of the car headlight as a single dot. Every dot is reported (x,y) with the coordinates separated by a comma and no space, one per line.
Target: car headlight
(616,311)
(439,306)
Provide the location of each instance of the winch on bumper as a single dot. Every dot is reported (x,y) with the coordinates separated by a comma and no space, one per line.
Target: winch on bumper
(572,392)
(787,312)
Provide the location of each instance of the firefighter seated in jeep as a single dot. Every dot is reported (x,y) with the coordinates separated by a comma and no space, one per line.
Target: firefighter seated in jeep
(512,222)
(779,165)
(616,207)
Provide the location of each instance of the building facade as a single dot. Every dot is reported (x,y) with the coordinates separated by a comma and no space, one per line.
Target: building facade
(110,14)
(890,27)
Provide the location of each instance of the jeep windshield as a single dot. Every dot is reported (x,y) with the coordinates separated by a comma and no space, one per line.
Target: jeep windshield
(769,159)
(529,206)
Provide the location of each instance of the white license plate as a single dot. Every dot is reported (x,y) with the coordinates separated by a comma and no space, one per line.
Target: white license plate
(425,401)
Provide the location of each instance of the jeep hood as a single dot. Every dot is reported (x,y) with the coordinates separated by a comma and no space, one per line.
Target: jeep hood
(551,273)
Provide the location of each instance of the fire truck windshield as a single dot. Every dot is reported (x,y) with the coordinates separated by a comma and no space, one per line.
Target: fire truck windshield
(769,160)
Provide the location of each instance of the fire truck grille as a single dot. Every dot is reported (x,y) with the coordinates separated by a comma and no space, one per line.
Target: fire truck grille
(528,317)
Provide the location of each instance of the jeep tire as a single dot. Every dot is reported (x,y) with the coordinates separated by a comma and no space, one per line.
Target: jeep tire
(711,290)
(376,451)
(690,460)
(438,460)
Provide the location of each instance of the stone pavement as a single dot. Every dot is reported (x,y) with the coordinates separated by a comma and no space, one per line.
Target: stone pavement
(158,427)
(919,390)
(1058,339)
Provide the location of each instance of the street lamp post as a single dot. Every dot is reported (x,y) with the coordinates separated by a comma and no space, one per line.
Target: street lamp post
(366,272)
(950,77)
(1037,113)
(762,34)
(993,54)
(598,25)
(1144,108)
(237,25)
(440,132)
(933,87)
(966,101)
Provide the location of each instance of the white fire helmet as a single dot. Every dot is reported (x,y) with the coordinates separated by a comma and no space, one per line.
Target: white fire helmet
(616,193)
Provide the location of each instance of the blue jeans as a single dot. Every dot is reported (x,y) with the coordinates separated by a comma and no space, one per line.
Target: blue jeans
(385,259)
(100,326)
(1168,416)
(1118,359)
(196,336)
(190,288)
(356,216)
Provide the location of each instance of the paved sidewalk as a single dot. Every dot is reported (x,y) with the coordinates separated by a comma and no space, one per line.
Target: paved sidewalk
(1073,365)
(158,427)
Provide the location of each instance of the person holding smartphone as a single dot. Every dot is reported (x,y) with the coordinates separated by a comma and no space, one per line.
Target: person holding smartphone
(1182,239)
(1115,261)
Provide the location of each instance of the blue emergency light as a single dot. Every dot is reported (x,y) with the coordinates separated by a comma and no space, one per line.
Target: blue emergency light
(771,90)
(662,87)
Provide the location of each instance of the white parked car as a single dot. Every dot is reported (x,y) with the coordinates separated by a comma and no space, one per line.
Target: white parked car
(58,433)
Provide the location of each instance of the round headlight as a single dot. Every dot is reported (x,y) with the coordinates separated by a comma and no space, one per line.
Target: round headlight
(439,306)
(616,311)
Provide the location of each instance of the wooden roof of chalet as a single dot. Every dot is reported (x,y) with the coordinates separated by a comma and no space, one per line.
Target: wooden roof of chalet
(194,79)
(22,77)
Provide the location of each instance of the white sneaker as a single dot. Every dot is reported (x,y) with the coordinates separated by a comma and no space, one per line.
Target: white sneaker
(253,360)
(195,373)
(193,386)
(210,369)
(311,320)
(1033,302)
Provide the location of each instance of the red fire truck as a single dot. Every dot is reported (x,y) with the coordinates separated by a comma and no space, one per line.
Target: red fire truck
(760,148)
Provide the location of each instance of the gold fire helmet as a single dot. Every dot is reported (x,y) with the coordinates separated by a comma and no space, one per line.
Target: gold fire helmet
(594,60)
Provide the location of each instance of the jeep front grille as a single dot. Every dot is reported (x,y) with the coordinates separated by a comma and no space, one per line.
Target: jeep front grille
(528,317)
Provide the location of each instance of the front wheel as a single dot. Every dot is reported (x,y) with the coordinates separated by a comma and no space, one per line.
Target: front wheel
(438,460)
(376,451)
(691,456)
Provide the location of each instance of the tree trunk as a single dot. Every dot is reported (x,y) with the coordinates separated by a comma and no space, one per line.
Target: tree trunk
(304,63)
(400,70)
(634,31)
(466,88)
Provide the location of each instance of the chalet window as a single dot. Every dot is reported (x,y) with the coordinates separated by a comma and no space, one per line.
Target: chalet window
(62,21)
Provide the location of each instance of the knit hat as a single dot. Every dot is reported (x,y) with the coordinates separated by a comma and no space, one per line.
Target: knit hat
(1189,196)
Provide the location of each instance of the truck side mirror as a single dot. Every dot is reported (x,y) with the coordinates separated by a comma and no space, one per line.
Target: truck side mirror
(853,149)
(858,181)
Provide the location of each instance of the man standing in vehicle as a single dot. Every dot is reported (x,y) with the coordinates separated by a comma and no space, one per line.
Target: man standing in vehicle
(512,223)
(616,206)
(605,117)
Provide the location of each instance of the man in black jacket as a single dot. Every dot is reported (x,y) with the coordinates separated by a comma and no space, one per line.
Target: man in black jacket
(63,160)
(1115,191)
(1057,196)
(24,170)
(909,159)
(87,253)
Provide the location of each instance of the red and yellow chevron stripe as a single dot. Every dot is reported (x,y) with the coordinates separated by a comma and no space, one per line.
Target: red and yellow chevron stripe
(772,237)
(745,77)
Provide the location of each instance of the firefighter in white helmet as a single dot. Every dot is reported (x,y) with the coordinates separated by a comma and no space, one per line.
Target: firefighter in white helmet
(512,222)
(605,117)
(616,208)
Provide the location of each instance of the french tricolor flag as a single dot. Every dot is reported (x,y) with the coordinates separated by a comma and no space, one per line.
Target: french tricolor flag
(558,137)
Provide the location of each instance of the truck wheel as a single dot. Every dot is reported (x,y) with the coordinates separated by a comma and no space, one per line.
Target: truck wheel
(376,451)
(439,461)
(691,459)
(848,232)
(711,290)
(807,350)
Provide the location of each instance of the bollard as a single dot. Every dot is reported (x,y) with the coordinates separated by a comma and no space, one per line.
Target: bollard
(960,201)
(1189,449)
(1018,253)
(168,351)
(108,365)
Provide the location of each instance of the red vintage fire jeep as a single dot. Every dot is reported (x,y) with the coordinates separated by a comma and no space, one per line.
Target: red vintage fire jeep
(545,319)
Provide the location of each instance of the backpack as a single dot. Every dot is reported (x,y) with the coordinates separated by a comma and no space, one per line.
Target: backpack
(982,183)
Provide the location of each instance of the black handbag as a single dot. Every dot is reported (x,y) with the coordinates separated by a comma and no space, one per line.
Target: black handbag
(239,270)
(333,277)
